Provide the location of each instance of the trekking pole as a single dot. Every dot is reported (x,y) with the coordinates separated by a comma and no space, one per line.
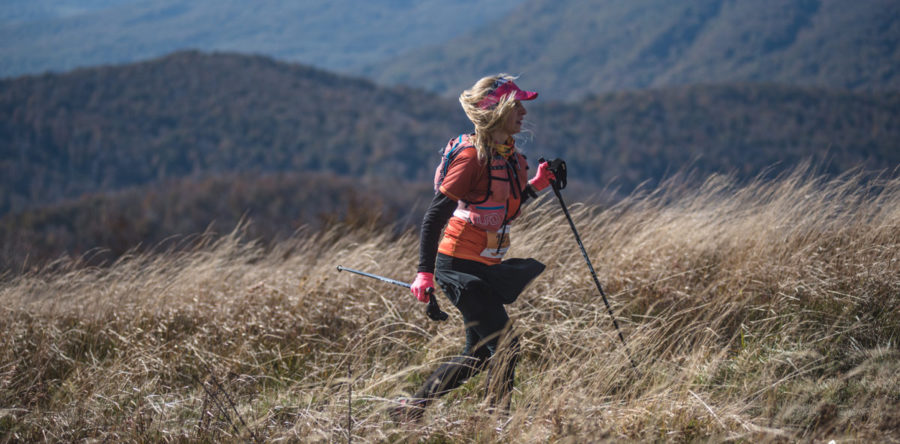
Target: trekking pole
(433,311)
(556,188)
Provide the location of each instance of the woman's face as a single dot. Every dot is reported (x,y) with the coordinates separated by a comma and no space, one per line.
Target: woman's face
(512,124)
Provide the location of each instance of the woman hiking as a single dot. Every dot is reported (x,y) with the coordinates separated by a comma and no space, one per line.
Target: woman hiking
(480,187)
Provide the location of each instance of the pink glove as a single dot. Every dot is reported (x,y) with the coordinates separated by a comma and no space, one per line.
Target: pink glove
(543,177)
(419,287)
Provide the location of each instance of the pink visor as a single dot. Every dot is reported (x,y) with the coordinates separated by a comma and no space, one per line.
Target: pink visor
(502,88)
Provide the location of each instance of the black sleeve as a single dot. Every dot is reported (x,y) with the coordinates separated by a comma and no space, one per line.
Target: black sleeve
(436,216)
(528,193)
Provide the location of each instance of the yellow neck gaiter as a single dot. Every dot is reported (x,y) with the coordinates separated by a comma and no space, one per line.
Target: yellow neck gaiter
(504,149)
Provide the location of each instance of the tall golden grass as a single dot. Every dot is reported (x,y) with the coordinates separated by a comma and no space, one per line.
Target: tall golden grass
(764,312)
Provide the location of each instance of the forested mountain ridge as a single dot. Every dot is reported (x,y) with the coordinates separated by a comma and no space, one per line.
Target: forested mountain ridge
(191,114)
(743,129)
(575,48)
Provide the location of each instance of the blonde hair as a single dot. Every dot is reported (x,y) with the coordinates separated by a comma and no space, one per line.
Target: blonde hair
(486,120)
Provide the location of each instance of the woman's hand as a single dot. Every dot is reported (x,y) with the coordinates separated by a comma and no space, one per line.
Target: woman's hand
(543,177)
(423,286)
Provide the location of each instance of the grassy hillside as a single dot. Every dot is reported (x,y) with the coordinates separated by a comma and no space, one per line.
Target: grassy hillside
(760,313)
(573,48)
(331,34)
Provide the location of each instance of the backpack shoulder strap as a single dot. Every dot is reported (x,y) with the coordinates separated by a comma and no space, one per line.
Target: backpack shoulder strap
(450,154)
(447,158)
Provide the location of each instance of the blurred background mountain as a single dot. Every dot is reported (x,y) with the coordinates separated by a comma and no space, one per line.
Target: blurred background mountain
(184,114)
(576,48)
(338,35)
(570,47)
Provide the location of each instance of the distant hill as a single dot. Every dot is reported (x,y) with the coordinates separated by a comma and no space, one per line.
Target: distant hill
(193,114)
(40,35)
(570,49)
(742,129)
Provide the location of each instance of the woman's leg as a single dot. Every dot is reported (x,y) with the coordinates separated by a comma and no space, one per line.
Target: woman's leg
(457,371)
(485,319)
(501,373)
(446,377)
(485,323)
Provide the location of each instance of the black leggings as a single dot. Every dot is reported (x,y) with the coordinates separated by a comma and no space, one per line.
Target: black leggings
(486,320)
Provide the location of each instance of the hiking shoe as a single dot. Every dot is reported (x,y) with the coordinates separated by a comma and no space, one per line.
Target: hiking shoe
(408,410)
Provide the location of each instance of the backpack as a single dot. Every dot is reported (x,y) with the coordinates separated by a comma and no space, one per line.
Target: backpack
(448,153)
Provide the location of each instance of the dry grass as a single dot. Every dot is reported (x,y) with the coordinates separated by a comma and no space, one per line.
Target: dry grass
(769,312)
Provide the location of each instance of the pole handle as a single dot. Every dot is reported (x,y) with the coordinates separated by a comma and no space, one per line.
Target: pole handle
(558,168)
(433,311)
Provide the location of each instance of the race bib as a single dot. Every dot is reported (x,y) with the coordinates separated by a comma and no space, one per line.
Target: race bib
(497,243)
